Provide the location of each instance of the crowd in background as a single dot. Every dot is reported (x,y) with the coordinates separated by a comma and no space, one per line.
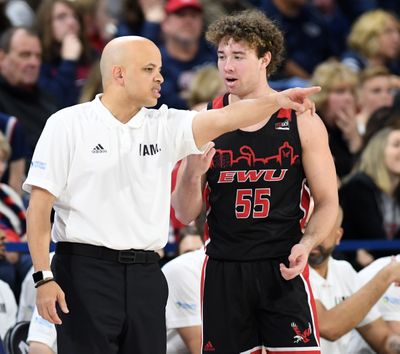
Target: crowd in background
(49,56)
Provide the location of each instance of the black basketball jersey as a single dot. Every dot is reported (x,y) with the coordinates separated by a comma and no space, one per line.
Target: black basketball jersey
(256,192)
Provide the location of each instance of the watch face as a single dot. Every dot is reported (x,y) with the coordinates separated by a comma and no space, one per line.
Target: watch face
(38,276)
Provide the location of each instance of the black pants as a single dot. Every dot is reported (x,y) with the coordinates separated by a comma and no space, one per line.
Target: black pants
(113,307)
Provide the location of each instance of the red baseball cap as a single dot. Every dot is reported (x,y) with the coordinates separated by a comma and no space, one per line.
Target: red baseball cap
(175,5)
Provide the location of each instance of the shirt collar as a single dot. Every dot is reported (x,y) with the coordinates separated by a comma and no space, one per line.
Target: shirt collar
(111,121)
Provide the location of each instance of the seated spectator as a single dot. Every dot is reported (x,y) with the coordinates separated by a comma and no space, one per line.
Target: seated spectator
(8,308)
(369,195)
(189,239)
(184,50)
(307,38)
(15,171)
(388,305)
(99,25)
(183,310)
(336,105)
(20,96)
(42,335)
(13,266)
(67,55)
(205,86)
(93,84)
(374,40)
(141,18)
(374,91)
(343,305)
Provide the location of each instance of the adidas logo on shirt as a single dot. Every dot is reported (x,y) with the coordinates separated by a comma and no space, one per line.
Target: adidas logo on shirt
(98,149)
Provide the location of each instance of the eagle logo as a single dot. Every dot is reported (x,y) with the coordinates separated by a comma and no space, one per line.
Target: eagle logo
(301,336)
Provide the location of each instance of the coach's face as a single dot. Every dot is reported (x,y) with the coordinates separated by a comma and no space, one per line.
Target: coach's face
(143,77)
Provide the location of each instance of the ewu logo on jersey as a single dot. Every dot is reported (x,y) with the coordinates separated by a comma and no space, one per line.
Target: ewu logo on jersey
(249,201)
(225,159)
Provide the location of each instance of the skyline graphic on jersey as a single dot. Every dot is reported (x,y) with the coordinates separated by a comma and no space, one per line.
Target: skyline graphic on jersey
(224,158)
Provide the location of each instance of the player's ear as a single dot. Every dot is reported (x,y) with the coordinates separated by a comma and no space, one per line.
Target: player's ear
(267,58)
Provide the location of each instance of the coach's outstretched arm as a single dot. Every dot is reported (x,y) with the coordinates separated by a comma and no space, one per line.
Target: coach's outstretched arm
(207,125)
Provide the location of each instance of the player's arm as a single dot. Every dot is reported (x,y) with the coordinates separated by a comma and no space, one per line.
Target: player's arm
(187,198)
(38,232)
(321,178)
(191,337)
(344,317)
(207,125)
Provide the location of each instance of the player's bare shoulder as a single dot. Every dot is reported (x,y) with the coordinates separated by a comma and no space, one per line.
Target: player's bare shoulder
(311,128)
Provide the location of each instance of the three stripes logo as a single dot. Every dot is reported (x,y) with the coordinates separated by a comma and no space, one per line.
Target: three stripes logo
(98,149)
(208,347)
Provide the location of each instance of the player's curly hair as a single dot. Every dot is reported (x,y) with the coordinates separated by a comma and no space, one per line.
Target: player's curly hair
(253,27)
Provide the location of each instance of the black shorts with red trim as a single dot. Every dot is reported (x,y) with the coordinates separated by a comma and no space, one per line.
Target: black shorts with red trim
(248,306)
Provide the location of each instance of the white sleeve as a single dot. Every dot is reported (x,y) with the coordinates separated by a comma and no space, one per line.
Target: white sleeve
(374,313)
(27,298)
(42,331)
(180,132)
(51,160)
(8,308)
(183,305)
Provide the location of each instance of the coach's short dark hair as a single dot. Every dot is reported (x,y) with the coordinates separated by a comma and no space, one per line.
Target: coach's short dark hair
(253,27)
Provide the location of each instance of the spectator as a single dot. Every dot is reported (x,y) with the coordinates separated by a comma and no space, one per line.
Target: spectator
(20,96)
(189,239)
(205,86)
(15,171)
(184,50)
(8,308)
(42,336)
(13,266)
(67,55)
(374,40)
(301,24)
(374,91)
(388,304)
(99,25)
(369,195)
(92,85)
(343,305)
(141,17)
(336,104)
(183,310)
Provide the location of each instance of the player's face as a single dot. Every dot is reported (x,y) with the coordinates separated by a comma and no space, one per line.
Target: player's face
(241,69)
(143,76)
(392,152)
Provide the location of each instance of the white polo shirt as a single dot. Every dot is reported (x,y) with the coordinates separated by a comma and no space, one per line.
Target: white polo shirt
(388,305)
(8,308)
(183,275)
(341,282)
(112,181)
